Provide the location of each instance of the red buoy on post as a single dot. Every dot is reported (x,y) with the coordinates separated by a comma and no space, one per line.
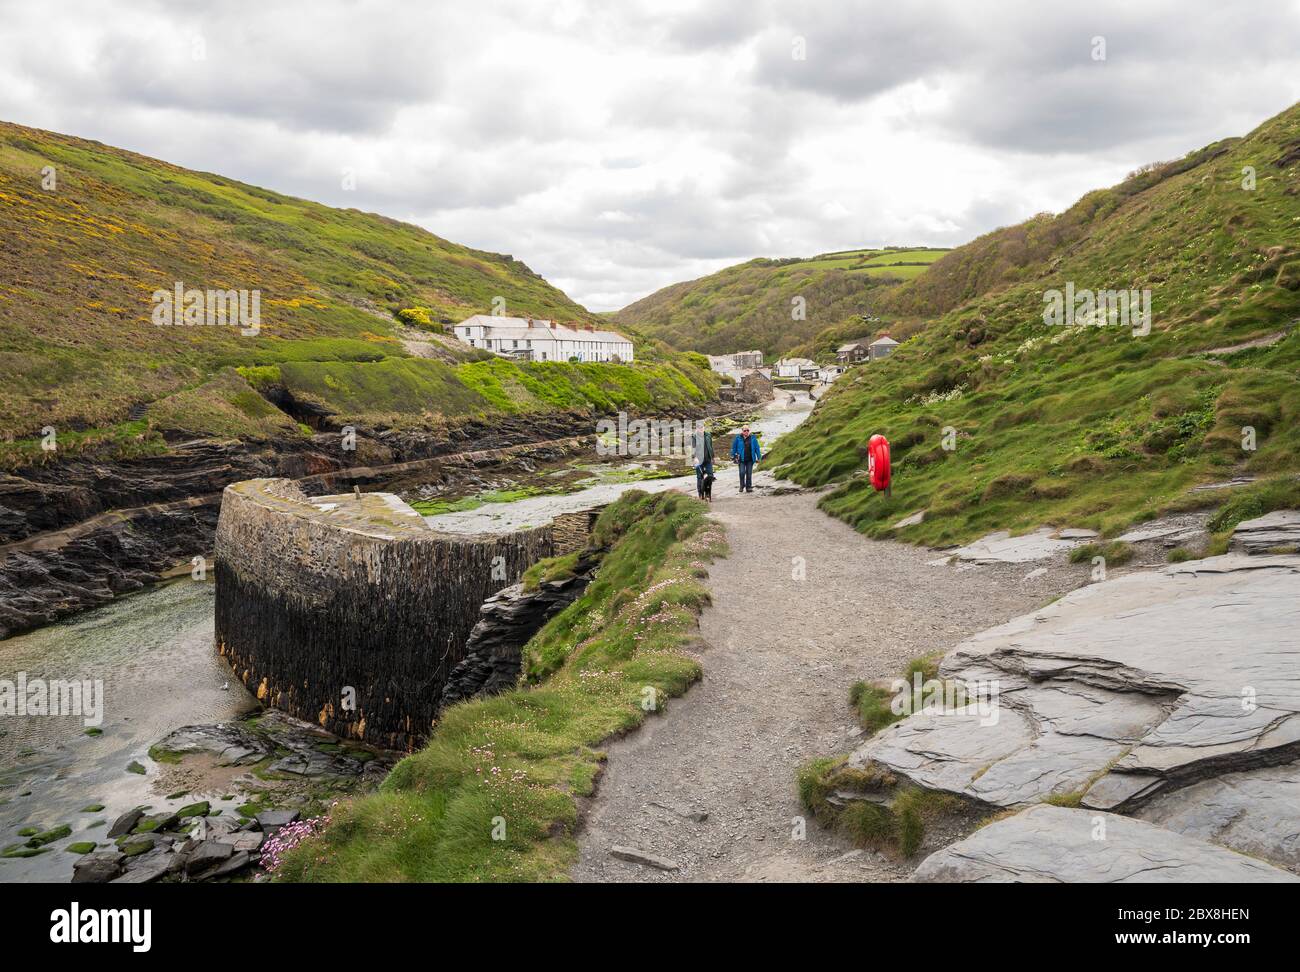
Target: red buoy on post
(878,462)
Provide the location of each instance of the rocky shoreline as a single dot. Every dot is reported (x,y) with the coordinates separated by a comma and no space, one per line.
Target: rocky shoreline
(257,785)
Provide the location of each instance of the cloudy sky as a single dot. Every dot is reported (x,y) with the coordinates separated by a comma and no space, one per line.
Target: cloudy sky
(617,146)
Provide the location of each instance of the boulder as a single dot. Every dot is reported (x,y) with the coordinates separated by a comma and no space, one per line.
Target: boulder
(1057,845)
(141,844)
(97,868)
(272,820)
(126,822)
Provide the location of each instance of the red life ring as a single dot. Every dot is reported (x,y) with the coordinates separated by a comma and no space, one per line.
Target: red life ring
(878,462)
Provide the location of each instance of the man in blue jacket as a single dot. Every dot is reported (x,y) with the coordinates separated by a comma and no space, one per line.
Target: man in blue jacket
(745,451)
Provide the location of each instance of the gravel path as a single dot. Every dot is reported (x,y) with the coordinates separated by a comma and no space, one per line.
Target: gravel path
(781,654)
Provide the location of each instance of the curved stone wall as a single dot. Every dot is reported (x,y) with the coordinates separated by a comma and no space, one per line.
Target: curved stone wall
(350,612)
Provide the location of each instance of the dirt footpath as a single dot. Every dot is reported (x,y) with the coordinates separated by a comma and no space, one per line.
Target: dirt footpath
(782,653)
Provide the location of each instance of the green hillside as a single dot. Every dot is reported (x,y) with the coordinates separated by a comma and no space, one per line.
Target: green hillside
(1088,425)
(750,305)
(80,259)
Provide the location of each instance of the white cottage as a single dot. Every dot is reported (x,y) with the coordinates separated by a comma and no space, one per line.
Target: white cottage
(536,339)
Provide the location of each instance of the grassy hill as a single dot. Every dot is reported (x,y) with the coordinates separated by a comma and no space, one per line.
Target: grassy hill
(749,305)
(80,259)
(1088,425)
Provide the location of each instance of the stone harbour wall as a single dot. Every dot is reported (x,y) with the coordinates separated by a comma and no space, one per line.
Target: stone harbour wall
(349,611)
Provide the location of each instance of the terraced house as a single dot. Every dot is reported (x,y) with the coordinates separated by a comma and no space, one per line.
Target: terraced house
(532,339)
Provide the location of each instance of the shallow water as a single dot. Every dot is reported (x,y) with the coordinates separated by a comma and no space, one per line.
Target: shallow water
(153,653)
(777,419)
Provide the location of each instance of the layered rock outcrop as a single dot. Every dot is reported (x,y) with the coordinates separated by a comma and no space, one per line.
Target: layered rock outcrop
(1170,695)
(493,654)
(1123,690)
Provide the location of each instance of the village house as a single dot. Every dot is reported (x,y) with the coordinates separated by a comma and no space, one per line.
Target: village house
(828,373)
(853,353)
(737,364)
(536,339)
(882,347)
(794,368)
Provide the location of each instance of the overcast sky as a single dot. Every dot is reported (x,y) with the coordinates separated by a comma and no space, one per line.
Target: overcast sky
(617,146)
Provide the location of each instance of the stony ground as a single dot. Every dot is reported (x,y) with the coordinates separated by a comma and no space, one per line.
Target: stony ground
(782,651)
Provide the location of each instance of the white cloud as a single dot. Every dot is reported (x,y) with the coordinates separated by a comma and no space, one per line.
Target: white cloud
(617,148)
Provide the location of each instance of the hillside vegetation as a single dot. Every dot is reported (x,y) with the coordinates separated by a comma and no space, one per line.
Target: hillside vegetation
(1094,426)
(749,305)
(89,232)
(492,797)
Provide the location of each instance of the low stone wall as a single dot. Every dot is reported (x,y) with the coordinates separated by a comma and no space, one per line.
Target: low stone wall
(351,612)
(571,531)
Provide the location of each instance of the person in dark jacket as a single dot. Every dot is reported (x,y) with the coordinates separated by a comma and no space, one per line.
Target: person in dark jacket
(745,451)
(703,459)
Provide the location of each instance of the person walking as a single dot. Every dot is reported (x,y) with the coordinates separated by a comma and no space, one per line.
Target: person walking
(703,459)
(746,451)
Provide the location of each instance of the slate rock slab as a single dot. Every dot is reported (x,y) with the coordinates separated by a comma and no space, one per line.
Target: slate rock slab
(1123,691)
(246,840)
(637,856)
(150,867)
(1003,548)
(207,854)
(1058,845)
(232,865)
(230,742)
(1281,528)
(1256,812)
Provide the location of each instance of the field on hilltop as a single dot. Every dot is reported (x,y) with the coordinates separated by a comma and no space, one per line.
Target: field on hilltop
(88,233)
(750,305)
(999,420)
